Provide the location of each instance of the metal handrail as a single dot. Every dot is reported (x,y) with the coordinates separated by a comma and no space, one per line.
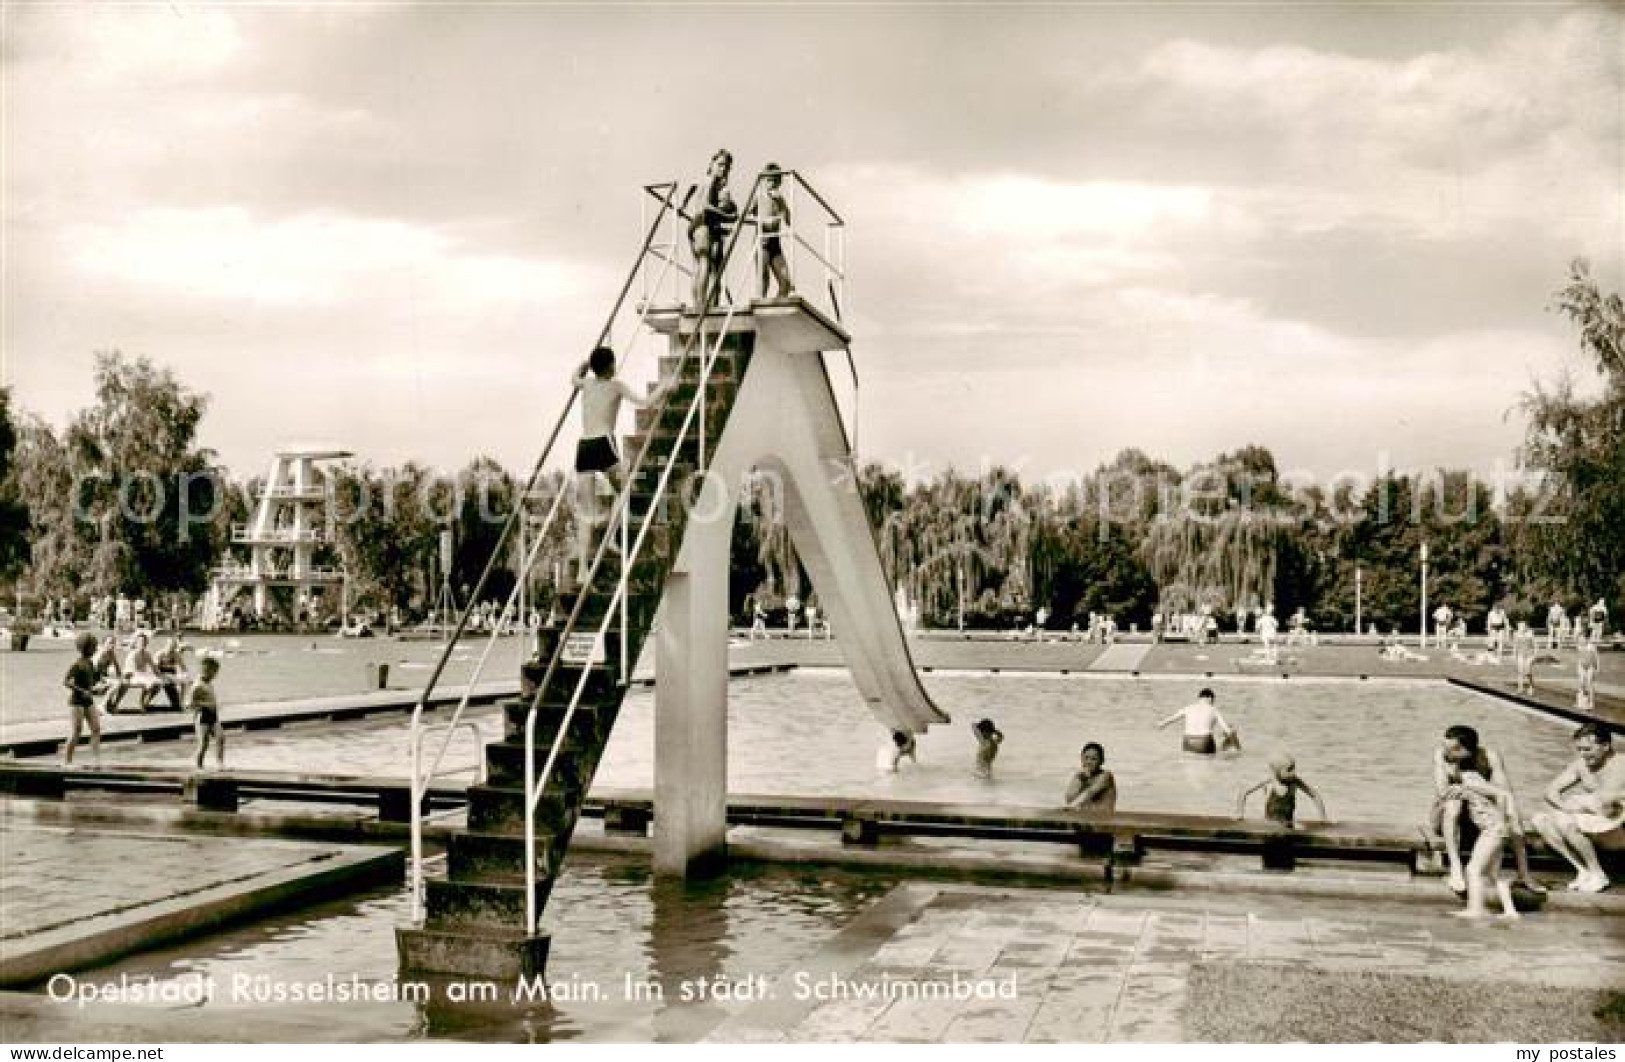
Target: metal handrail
(478,766)
(527,565)
(421,781)
(533,788)
(507,531)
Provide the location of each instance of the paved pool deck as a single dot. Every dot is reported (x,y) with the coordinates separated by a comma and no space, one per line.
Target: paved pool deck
(1033,966)
(72,897)
(1093,968)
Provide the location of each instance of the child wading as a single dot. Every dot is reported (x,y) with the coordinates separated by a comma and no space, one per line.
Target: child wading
(201,701)
(81,682)
(1281,791)
(988,740)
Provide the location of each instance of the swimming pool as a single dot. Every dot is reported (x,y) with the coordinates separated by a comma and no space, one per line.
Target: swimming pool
(1365,745)
(611,921)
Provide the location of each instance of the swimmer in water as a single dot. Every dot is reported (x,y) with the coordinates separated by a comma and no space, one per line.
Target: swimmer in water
(1202,722)
(1281,791)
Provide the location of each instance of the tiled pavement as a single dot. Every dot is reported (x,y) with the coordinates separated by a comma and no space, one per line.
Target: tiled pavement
(1115,968)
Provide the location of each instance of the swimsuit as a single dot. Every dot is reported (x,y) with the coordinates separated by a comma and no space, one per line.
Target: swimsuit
(203,703)
(1201,743)
(596,454)
(1281,806)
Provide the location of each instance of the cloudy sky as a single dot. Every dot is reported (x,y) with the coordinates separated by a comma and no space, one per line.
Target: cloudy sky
(1330,230)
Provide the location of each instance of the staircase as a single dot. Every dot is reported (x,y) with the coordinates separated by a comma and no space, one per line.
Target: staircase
(478,921)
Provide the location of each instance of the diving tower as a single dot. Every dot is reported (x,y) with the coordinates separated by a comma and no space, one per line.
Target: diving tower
(750,395)
(288,530)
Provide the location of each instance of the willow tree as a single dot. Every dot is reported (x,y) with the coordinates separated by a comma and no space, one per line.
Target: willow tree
(1226,562)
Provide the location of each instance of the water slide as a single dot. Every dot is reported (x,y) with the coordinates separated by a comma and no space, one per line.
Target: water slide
(786,422)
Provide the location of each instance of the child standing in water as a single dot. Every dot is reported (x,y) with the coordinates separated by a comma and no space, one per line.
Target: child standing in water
(988,740)
(1281,791)
(200,700)
(81,682)
(891,756)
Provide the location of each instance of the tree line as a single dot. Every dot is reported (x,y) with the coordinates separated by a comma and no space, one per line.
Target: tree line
(124,499)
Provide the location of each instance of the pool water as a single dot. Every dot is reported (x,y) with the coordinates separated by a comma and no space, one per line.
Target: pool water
(610,919)
(1366,746)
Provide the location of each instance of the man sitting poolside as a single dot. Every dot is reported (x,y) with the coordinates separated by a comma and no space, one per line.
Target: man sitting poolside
(1588,808)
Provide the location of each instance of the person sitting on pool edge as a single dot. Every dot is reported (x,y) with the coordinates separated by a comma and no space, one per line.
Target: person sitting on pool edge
(1461,751)
(1092,788)
(1587,807)
(1281,791)
(1202,721)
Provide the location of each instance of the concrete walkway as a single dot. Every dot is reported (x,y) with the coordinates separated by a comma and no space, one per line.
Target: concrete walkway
(72,897)
(1121,657)
(1092,968)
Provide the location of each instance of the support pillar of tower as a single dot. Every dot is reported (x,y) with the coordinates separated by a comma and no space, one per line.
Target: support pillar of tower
(691,697)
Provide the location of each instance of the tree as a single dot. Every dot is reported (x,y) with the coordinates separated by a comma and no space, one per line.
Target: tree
(1573,534)
(485,498)
(126,501)
(14,520)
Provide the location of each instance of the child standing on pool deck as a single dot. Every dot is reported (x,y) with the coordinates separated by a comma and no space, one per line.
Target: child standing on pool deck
(988,740)
(81,682)
(200,700)
(1281,791)
(1523,653)
(1585,695)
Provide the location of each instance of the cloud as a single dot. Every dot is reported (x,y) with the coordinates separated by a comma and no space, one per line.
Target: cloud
(1085,226)
(1442,143)
(226,253)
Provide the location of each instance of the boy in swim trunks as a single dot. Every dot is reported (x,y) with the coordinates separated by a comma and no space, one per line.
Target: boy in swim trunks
(1202,723)
(775,222)
(200,700)
(1281,791)
(601,398)
(710,226)
(1588,807)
